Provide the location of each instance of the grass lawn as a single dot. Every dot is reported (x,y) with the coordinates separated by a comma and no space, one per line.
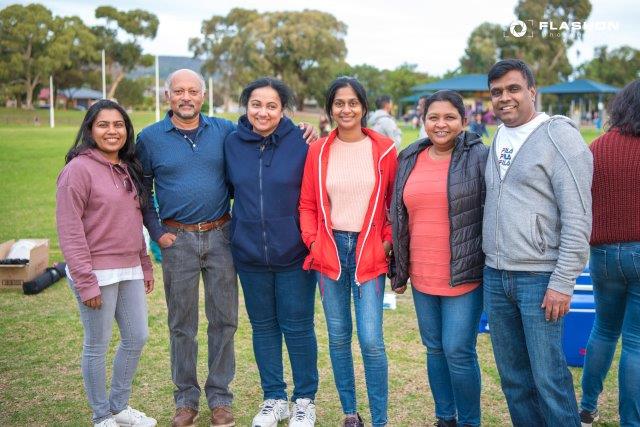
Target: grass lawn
(41,336)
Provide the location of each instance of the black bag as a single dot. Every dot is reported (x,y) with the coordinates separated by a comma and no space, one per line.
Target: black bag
(46,279)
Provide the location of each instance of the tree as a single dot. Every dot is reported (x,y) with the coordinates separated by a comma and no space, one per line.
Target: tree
(130,93)
(544,50)
(35,44)
(398,82)
(483,49)
(122,57)
(616,67)
(301,48)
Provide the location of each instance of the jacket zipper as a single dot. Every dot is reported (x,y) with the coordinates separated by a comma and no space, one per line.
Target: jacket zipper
(375,205)
(449,215)
(264,232)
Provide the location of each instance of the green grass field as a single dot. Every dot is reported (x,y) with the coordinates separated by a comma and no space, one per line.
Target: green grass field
(41,336)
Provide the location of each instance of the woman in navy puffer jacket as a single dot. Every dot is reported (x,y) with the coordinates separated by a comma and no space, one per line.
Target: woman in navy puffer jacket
(265,159)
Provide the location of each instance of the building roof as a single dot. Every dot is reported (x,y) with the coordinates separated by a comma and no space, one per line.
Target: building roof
(413,98)
(463,83)
(72,93)
(578,86)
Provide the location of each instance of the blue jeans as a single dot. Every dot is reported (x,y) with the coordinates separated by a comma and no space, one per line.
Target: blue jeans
(367,300)
(615,271)
(449,330)
(206,254)
(528,350)
(126,303)
(283,304)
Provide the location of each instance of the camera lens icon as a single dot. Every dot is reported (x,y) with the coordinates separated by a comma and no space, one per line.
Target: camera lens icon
(518,28)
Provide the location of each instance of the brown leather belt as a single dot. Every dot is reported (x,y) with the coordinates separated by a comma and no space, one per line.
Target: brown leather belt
(201,226)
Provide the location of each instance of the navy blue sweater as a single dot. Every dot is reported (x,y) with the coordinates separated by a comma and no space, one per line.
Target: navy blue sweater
(265,174)
(188,172)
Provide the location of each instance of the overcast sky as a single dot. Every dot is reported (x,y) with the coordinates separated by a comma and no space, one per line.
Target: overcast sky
(385,34)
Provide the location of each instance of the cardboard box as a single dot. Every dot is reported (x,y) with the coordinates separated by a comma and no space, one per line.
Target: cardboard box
(11,275)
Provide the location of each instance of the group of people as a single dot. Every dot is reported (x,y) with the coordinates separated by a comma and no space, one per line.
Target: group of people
(506,228)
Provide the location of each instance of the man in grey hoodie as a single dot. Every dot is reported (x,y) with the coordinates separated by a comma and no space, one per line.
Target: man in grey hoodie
(536,227)
(382,122)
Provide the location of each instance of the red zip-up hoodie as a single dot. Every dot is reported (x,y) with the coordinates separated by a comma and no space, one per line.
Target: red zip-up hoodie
(315,211)
(99,221)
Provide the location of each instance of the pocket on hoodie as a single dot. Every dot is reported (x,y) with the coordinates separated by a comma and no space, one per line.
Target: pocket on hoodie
(247,242)
(285,241)
(537,234)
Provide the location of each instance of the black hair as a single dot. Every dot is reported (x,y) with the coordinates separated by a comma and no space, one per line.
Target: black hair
(357,87)
(284,93)
(127,154)
(501,68)
(450,96)
(625,110)
(382,100)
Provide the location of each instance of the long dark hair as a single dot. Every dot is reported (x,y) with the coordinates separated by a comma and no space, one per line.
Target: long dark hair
(127,154)
(625,110)
(357,87)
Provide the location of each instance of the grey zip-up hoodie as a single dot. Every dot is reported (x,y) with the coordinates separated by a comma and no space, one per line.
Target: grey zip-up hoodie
(538,218)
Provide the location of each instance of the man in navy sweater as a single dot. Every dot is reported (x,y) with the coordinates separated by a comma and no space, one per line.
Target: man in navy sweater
(183,155)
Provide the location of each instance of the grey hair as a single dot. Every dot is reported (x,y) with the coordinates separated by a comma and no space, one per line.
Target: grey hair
(169,79)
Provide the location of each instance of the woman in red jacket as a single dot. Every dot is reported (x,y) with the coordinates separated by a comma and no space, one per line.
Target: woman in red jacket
(344,203)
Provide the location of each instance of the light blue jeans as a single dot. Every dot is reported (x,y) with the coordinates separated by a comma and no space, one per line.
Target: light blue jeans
(127,304)
(367,301)
(615,271)
(449,330)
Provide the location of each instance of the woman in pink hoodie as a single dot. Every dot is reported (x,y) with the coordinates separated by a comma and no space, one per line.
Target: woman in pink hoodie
(98,213)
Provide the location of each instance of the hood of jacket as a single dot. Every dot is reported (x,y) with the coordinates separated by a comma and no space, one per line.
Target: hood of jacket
(377,115)
(94,154)
(247,134)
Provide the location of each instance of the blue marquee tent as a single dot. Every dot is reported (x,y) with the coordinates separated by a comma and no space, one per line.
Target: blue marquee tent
(463,83)
(578,86)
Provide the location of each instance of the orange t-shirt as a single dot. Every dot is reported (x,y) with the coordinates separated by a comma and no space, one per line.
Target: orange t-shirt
(425,196)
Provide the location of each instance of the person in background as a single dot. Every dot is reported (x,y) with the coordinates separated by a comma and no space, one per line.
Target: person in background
(324,125)
(478,126)
(615,260)
(99,224)
(436,214)
(536,225)
(420,112)
(382,122)
(344,201)
(264,159)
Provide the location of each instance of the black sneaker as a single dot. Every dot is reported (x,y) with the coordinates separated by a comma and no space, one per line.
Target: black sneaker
(588,418)
(353,421)
(446,423)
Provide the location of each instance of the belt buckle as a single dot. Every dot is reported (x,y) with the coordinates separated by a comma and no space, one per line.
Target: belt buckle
(200,230)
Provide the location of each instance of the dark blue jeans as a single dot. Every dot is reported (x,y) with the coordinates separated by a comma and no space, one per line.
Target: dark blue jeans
(615,271)
(367,301)
(283,304)
(528,350)
(449,330)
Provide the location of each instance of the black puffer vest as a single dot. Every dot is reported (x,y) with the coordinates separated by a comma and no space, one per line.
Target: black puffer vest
(465,192)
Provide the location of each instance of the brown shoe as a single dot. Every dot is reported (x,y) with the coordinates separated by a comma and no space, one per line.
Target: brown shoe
(221,416)
(184,417)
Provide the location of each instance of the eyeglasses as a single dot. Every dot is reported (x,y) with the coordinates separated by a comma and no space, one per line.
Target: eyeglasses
(126,180)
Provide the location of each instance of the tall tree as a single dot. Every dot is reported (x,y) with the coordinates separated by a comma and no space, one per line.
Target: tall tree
(124,56)
(301,48)
(545,50)
(35,44)
(616,67)
(483,48)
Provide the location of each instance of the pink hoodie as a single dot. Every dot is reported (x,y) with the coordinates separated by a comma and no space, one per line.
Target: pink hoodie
(99,221)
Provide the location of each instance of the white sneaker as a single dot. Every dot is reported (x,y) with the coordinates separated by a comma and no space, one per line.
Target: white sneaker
(303,413)
(130,417)
(109,422)
(271,411)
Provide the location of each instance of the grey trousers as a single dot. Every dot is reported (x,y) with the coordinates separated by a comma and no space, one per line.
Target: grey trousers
(194,254)
(127,304)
